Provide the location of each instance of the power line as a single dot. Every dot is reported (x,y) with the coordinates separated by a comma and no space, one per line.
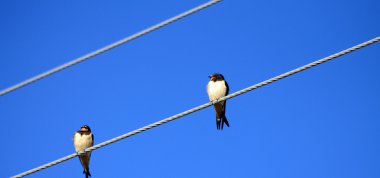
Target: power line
(266,82)
(106,48)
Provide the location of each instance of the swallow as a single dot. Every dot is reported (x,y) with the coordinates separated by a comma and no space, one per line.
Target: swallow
(83,139)
(217,87)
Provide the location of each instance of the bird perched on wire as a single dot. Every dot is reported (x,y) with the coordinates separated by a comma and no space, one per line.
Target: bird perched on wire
(217,87)
(83,139)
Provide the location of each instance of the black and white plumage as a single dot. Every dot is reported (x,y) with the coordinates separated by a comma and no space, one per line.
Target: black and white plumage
(217,87)
(83,139)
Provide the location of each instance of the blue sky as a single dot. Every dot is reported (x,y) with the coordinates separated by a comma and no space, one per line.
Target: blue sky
(323,122)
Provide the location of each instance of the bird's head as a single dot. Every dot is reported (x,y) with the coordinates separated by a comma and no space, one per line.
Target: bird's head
(85,128)
(216,77)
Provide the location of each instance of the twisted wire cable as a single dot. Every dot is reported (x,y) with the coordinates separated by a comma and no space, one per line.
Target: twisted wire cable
(266,82)
(106,48)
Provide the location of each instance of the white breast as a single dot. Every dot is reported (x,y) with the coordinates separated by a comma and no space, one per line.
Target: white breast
(216,89)
(82,142)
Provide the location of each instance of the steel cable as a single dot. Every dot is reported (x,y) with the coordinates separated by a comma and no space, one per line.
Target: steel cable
(261,84)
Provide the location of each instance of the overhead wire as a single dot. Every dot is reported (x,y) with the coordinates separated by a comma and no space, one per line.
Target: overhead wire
(261,84)
(106,48)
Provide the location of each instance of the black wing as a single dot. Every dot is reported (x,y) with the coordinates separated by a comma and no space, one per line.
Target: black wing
(225,101)
(224,118)
(92,137)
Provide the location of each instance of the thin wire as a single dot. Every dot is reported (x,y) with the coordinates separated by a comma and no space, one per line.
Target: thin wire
(266,82)
(106,48)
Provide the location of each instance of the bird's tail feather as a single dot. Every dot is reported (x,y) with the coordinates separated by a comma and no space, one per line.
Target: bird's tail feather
(217,123)
(224,118)
(87,173)
(225,121)
(220,122)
